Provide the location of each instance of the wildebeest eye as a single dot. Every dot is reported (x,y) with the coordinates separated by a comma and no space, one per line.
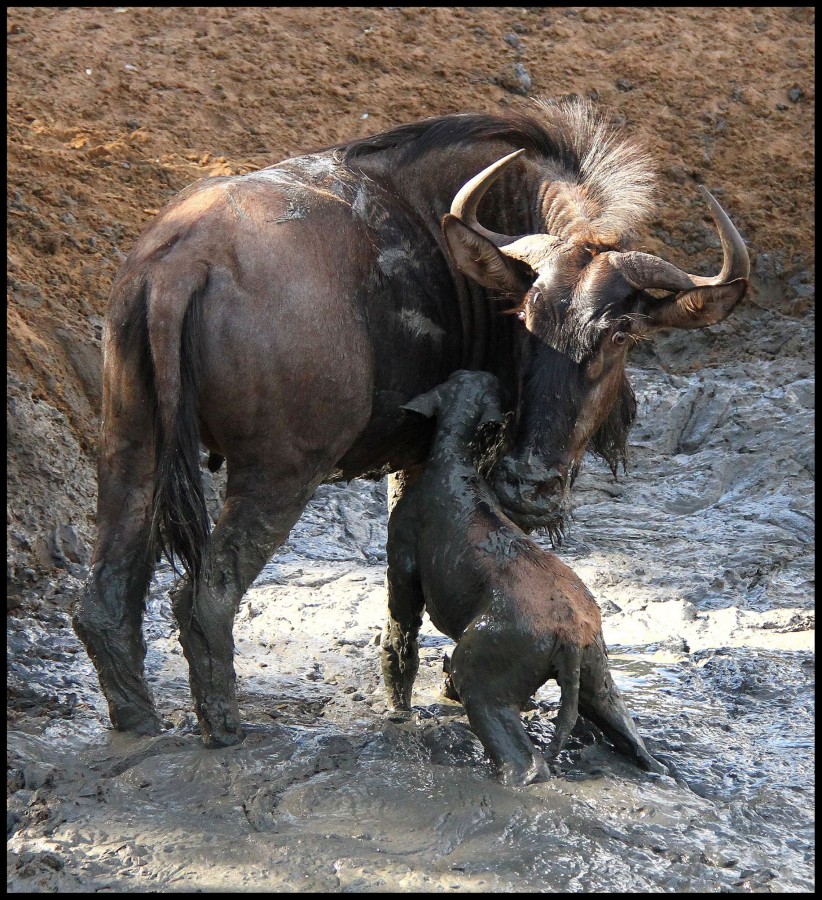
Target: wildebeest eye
(619,338)
(532,298)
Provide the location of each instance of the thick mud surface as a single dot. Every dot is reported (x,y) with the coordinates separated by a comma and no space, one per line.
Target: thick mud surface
(701,558)
(702,561)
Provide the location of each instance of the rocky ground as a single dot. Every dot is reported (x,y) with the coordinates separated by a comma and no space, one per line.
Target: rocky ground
(701,558)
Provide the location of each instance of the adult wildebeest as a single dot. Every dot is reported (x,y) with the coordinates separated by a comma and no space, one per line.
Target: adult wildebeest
(519,615)
(282,317)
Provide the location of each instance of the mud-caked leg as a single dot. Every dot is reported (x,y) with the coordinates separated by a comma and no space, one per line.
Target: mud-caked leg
(499,728)
(108,620)
(601,702)
(400,656)
(569,705)
(491,691)
(108,616)
(249,530)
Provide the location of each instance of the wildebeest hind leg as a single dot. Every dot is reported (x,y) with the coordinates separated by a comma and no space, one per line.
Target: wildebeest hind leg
(251,527)
(500,729)
(569,707)
(108,616)
(108,620)
(601,702)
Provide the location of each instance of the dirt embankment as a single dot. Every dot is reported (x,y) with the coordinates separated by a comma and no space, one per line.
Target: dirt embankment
(112,111)
(701,559)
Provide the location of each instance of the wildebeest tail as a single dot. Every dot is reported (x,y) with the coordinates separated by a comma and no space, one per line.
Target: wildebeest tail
(180,523)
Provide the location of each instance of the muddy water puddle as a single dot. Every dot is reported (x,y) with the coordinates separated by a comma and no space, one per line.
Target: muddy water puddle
(702,561)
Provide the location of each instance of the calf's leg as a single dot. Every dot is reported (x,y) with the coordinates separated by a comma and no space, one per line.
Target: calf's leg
(500,729)
(569,707)
(399,652)
(492,678)
(601,702)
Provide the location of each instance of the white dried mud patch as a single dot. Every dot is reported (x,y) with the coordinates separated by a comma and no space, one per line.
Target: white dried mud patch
(702,561)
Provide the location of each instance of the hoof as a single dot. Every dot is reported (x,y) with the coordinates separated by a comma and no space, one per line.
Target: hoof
(215,740)
(537,772)
(398,706)
(136,720)
(654,765)
(149,728)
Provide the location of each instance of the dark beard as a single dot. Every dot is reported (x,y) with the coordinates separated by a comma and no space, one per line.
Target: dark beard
(610,441)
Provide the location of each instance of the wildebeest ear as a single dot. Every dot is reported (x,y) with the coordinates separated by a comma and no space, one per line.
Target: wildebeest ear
(479,259)
(427,404)
(697,307)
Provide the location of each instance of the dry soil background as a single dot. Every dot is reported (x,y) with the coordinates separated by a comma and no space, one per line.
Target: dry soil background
(110,113)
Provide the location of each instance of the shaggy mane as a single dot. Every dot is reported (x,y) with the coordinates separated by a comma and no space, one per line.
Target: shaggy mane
(615,173)
(603,178)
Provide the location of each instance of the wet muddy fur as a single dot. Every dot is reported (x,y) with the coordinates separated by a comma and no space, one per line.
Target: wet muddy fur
(518,614)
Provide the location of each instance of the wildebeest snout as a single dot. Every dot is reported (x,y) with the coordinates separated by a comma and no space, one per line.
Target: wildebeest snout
(554,481)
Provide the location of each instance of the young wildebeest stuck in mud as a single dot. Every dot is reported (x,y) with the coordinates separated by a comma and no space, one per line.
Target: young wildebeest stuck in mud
(282,317)
(519,615)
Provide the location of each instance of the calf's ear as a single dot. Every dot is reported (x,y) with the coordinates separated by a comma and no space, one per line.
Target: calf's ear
(480,260)
(427,404)
(697,307)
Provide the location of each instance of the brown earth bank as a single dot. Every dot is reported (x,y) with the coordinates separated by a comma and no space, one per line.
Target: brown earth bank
(112,111)
(701,558)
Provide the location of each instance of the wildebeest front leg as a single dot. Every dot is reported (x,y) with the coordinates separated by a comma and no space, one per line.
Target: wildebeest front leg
(601,702)
(247,533)
(400,654)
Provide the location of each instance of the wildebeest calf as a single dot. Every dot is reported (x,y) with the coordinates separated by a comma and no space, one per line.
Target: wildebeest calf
(519,615)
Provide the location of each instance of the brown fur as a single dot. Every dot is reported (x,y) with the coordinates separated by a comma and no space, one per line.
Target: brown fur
(550,597)
(283,317)
(554,599)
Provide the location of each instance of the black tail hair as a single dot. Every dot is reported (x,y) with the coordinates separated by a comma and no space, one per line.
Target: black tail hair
(180,523)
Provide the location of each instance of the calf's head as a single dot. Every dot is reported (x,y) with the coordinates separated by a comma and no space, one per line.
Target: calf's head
(583,304)
(469,412)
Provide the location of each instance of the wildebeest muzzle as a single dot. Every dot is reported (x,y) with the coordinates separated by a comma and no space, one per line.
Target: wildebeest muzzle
(532,494)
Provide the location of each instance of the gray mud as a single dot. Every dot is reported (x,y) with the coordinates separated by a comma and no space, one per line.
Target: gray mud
(702,562)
